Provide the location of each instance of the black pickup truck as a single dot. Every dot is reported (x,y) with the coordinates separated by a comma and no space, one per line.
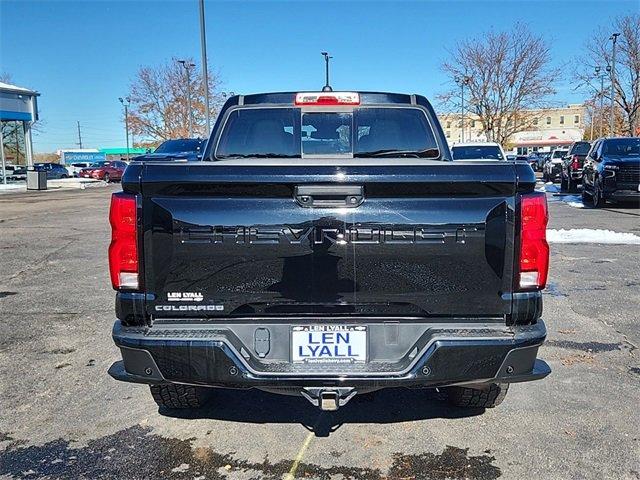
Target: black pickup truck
(326,245)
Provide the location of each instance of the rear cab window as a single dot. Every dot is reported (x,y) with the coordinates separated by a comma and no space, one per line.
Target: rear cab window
(580,148)
(340,132)
(489,152)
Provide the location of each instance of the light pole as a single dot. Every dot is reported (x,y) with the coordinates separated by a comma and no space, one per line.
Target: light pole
(462,81)
(614,38)
(601,76)
(327,57)
(205,69)
(125,103)
(187,66)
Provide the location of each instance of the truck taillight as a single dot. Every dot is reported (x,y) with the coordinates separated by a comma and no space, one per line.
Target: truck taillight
(534,249)
(575,163)
(327,98)
(123,250)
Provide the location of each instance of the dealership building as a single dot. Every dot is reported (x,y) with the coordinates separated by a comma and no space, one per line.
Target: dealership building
(18,112)
(549,128)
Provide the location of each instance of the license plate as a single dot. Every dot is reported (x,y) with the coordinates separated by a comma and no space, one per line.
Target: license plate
(329,344)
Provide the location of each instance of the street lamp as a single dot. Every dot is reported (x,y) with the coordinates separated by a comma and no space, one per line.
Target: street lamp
(614,38)
(327,57)
(601,76)
(205,68)
(462,81)
(125,103)
(187,68)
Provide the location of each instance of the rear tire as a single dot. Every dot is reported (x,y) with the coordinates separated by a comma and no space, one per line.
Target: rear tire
(564,187)
(106,177)
(489,397)
(174,396)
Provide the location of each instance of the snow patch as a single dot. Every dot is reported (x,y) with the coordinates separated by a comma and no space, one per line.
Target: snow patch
(573,200)
(548,187)
(588,235)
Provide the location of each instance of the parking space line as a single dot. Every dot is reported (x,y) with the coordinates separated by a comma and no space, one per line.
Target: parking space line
(296,462)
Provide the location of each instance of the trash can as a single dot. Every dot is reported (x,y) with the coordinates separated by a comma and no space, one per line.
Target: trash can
(36,179)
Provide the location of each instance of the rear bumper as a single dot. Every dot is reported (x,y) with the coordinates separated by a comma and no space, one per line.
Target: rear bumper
(220,356)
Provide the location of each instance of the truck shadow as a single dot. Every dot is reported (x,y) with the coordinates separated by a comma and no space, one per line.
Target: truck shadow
(385,406)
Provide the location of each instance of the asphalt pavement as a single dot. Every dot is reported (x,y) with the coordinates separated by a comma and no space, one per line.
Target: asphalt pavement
(62,416)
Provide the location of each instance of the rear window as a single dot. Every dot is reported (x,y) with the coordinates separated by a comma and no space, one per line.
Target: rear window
(361,132)
(559,153)
(179,146)
(489,152)
(581,148)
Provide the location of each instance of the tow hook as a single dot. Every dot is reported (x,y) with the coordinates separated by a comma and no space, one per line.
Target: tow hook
(328,399)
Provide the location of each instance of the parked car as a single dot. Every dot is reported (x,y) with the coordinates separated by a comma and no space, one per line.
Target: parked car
(75,167)
(180,149)
(533,159)
(14,172)
(612,171)
(553,166)
(54,170)
(330,264)
(104,170)
(479,150)
(572,164)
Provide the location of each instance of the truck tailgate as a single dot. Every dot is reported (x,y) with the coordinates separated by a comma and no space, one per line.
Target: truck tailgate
(429,240)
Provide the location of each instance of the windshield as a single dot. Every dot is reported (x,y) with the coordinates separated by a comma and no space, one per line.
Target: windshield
(362,132)
(179,146)
(471,152)
(99,164)
(623,147)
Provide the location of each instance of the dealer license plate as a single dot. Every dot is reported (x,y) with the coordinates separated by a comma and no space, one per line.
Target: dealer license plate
(329,344)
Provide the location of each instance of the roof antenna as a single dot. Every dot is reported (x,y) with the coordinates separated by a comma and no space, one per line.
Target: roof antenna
(327,87)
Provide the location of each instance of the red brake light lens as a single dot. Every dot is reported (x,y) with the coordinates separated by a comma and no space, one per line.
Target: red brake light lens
(534,249)
(327,98)
(123,250)
(575,162)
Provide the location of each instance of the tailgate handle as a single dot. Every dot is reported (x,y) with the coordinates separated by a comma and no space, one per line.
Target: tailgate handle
(333,196)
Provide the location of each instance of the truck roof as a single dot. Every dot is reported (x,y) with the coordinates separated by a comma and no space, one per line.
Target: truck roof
(289,97)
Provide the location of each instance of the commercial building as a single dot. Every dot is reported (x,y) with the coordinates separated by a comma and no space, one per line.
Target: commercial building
(549,128)
(121,153)
(18,112)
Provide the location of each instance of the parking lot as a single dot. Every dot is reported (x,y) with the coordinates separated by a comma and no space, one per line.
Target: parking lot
(62,416)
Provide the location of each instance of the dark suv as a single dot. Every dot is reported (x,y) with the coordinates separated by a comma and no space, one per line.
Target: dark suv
(54,170)
(572,163)
(612,171)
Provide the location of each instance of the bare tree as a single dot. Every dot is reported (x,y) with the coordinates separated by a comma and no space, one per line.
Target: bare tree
(507,75)
(159,106)
(627,86)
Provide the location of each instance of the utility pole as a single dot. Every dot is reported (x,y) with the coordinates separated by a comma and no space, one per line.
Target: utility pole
(187,67)
(462,81)
(126,119)
(327,57)
(205,71)
(79,136)
(613,37)
(601,76)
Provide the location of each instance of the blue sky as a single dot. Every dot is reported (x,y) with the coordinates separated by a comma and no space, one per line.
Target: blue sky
(83,55)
